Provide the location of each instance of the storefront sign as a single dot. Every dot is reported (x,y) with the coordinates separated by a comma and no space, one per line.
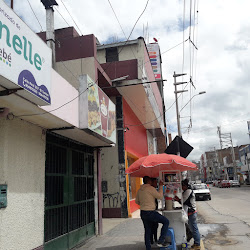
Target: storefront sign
(25,60)
(154,55)
(101,112)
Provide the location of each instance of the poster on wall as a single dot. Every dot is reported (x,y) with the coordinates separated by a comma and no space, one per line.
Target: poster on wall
(154,55)
(25,60)
(150,139)
(101,112)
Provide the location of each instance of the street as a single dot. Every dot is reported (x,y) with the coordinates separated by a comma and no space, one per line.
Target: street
(226,219)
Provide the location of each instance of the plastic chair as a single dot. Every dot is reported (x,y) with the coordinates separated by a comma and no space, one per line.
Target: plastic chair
(170,234)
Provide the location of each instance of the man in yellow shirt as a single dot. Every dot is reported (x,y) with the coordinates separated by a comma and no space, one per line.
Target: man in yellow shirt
(145,198)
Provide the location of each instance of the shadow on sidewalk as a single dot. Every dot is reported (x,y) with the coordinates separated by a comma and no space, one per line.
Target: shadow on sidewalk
(136,246)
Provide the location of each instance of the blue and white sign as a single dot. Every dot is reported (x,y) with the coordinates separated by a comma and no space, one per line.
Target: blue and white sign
(25,60)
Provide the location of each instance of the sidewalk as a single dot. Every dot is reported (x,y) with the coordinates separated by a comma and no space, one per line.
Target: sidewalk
(120,234)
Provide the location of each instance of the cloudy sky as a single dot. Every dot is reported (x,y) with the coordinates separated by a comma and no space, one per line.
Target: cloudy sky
(220,65)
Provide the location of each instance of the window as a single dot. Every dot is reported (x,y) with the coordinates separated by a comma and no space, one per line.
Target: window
(112,54)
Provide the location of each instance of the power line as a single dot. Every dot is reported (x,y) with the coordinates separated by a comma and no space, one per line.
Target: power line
(130,49)
(35,15)
(223,124)
(71,16)
(138,19)
(108,65)
(104,70)
(47,112)
(183,34)
(62,16)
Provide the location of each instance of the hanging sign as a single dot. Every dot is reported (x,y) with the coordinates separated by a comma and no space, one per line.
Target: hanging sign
(154,55)
(101,117)
(25,60)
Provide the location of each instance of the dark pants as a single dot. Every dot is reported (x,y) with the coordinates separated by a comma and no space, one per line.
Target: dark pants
(150,217)
(153,236)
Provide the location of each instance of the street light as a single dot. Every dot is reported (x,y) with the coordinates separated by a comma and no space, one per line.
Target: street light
(200,93)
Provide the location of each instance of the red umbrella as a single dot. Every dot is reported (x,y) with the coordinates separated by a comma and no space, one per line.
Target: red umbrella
(152,164)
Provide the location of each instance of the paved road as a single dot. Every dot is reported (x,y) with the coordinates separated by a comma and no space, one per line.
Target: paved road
(226,218)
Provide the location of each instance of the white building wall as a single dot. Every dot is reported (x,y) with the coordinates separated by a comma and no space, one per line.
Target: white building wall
(110,173)
(22,168)
(128,52)
(245,166)
(72,69)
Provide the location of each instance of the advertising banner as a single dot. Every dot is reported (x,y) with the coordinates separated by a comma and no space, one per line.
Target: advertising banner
(101,112)
(25,60)
(154,55)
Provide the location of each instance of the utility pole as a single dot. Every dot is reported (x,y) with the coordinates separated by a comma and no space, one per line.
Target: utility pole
(217,162)
(227,138)
(177,108)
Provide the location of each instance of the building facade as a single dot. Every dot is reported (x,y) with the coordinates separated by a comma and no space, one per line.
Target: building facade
(49,144)
(68,133)
(220,164)
(244,154)
(140,122)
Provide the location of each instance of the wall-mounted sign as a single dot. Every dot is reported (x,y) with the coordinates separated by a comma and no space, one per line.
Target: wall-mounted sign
(101,117)
(154,55)
(25,60)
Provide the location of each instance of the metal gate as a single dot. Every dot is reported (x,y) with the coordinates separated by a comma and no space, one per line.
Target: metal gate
(69,193)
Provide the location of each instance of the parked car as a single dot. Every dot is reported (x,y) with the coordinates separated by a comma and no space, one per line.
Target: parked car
(224,184)
(201,192)
(234,183)
(216,183)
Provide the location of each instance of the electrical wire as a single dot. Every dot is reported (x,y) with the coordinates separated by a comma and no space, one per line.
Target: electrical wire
(138,19)
(47,112)
(183,35)
(140,66)
(71,16)
(192,52)
(61,16)
(223,124)
(104,70)
(35,15)
(165,51)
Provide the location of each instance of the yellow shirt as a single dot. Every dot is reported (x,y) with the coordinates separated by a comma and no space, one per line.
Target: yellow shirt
(146,196)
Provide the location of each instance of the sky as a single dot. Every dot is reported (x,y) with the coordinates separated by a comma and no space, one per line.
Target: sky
(207,40)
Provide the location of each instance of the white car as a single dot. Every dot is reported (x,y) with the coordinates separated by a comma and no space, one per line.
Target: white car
(234,183)
(201,191)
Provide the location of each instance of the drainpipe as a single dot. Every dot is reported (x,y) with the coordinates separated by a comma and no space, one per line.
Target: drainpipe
(50,33)
(50,29)
(99,185)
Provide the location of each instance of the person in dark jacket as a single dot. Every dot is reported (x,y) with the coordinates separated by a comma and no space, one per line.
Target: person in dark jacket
(189,201)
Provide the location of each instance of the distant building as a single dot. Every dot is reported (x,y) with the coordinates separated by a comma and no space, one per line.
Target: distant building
(218,164)
(245,160)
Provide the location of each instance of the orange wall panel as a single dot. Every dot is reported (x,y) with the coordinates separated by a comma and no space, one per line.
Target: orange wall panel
(136,137)
(133,206)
